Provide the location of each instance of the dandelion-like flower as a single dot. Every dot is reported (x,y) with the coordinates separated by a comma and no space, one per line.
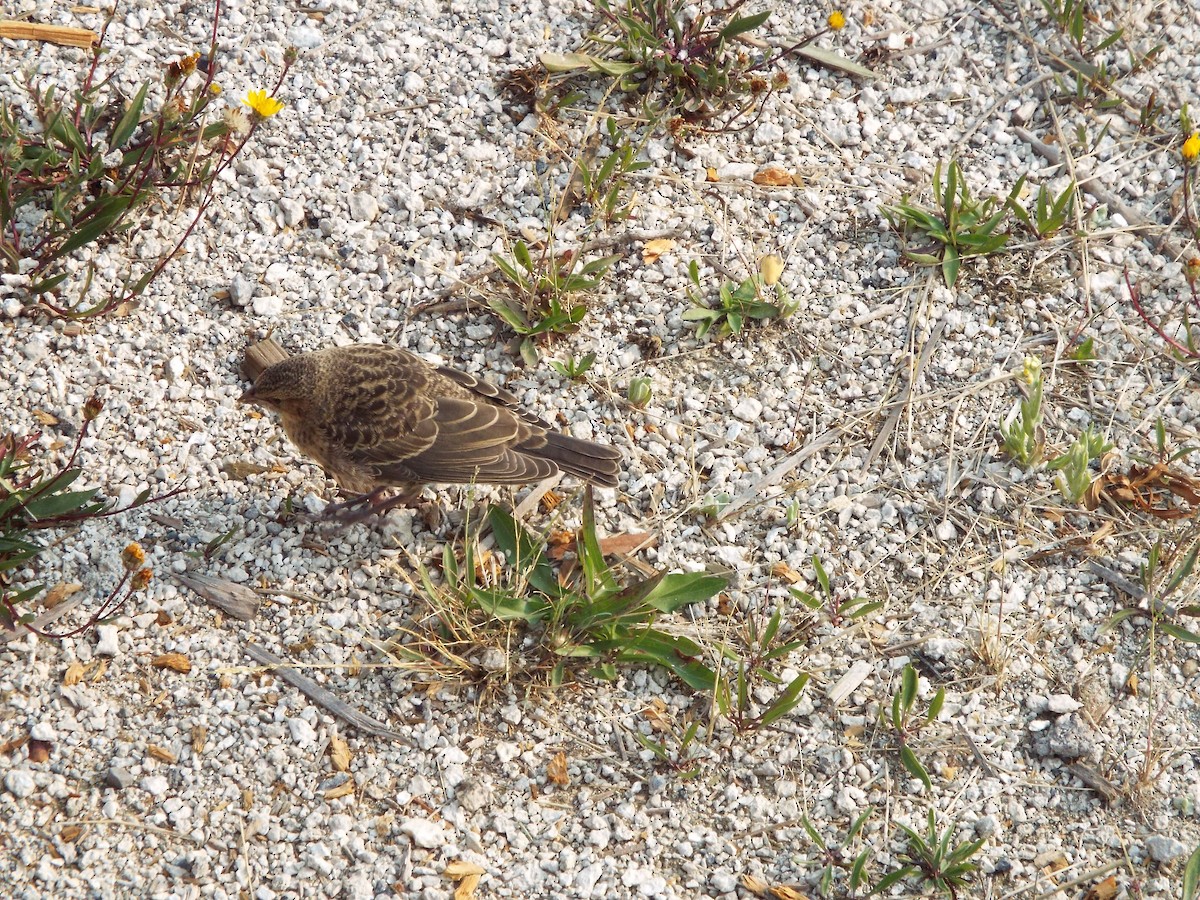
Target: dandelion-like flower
(235,120)
(133,556)
(141,580)
(1191,147)
(262,104)
(836,20)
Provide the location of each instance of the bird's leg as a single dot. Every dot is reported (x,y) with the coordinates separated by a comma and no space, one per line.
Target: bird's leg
(372,503)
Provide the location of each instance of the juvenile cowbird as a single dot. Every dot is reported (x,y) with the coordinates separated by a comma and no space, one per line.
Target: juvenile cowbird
(378,417)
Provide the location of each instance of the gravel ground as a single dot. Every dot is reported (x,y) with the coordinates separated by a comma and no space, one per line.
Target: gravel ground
(370,194)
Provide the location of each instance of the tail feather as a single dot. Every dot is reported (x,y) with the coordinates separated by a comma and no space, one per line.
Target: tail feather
(597,463)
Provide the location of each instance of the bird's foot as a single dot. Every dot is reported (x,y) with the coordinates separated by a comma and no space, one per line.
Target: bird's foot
(365,506)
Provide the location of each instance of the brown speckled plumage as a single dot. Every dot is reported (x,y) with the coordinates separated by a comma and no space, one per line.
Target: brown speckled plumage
(375,416)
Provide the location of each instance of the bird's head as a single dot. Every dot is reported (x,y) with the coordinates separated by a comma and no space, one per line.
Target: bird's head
(283,385)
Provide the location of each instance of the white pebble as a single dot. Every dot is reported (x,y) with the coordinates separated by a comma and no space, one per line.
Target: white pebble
(363,207)
(19,783)
(106,640)
(302,731)
(424,833)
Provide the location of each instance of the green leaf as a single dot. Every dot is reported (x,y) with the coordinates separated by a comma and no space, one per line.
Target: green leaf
(1191,876)
(832,60)
(786,701)
(107,211)
(683,588)
(950,265)
(914,766)
(507,606)
(123,130)
(742,24)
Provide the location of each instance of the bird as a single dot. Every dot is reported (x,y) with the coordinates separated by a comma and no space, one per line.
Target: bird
(377,417)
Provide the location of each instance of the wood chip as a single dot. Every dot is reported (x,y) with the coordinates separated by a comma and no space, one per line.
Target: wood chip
(236,600)
(162,754)
(262,356)
(62,35)
(339,754)
(556,770)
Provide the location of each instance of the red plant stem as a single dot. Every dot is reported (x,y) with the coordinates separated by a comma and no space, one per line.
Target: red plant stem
(1137,306)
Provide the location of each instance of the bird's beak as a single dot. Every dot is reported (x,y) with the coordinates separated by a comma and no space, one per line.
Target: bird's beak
(248,397)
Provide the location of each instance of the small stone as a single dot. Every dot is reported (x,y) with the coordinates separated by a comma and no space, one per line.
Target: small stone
(473,796)
(748,409)
(43,731)
(275,273)
(424,833)
(414,84)
(305,37)
(292,212)
(241,289)
(1163,849)
(155,785)
(302,731)
(19,783)
(985,826)
(106,640)
(1061,704)
(268,305)
(118,777)
(363,207)
(946,531)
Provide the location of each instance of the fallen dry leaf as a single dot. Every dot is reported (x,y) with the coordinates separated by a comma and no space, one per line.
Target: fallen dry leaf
(39,751)
(787,892)
(786,572)
(44,417)
(70,834)
(339,754)
(162,754)
(655,248)
(74,674)
(710,174)
(176,661)
(657,715)
(342,790)
(460,868)
(1103,890)
(556,770)
(59,593)
(774,176)
(628,542)
(755,885)
(1153,489)
(199,738)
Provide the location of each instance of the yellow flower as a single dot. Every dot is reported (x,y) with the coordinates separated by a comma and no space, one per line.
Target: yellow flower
(262,104)
(133,556)
(836,20)
(214,89)
(141,580)
(1191,147)
(770,267)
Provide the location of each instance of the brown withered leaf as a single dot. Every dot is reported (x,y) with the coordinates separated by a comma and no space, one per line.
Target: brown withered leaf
(70,834)
(1103,890)
(467,875)
(655,248)
(240,470)
(710,175)
(657,715)
(345,789)
(787,892)
(14,745)
(44,417)
(628,542)
(339,754)
(59,593)
(774,176)
(1155,489)
(755,885)
(74,674)
(176,661)
(786,572)
(199,738)
(556,770)
(162,754)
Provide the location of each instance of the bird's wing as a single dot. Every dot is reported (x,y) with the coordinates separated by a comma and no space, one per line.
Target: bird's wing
(460,441)
(485,389)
